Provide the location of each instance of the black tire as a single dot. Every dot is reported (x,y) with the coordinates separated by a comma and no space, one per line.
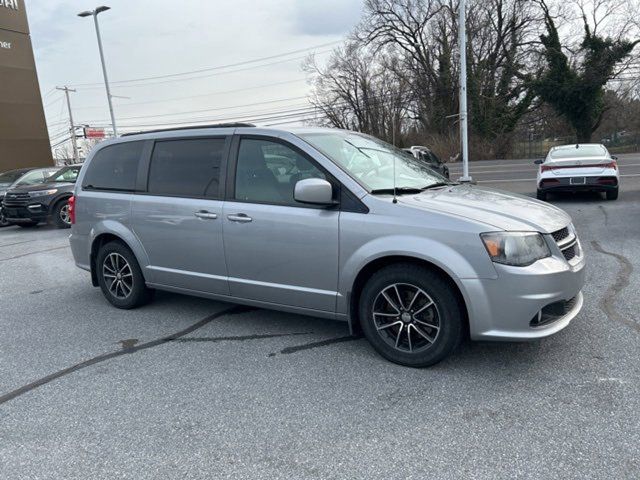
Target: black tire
(612,194)
(446,314)
(28,225)
(60,216)
(126,295)
(541,195)
(3,219)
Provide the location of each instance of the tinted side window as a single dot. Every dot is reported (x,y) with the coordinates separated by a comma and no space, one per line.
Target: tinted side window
(267,172)
(115,167)
(187,167)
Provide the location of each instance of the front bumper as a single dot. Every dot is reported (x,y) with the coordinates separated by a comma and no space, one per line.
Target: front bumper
(27,213)
(506,308)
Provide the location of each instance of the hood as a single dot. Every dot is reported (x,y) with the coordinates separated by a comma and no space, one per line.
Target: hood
(41,186)
(502,210)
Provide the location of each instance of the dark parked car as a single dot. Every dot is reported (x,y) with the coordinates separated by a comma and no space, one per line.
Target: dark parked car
(430,158)
(28,205)
(21,176)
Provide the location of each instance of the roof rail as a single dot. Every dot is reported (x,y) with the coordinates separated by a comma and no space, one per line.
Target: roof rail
(194,127)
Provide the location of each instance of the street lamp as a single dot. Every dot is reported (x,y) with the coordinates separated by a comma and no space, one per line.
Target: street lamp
(94,14)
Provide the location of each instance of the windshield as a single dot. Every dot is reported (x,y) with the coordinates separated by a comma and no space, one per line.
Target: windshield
(68,174)
(371,161)
(580,151)
(10,177)
(35,177)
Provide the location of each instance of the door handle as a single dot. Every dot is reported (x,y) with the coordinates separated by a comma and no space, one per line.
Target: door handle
(205,215)
(240,217)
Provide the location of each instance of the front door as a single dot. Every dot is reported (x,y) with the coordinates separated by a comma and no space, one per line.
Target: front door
(278,250)
(179,219)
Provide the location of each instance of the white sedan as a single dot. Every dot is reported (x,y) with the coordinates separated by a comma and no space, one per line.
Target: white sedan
(574,168)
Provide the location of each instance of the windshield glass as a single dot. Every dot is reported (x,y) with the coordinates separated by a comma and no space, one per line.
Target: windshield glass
(10,177)
(68,174)
(35,177)
(371,161)
(581,151)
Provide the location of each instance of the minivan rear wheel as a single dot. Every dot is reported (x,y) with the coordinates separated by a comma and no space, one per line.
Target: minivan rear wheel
(120,277)
(410,315)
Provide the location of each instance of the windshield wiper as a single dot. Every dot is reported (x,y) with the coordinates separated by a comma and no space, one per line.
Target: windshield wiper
(437,185)
(398,190)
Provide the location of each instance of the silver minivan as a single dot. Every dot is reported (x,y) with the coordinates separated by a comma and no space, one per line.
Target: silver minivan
(329,223)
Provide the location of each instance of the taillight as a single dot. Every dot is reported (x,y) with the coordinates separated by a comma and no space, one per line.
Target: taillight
(546,168)
(72,210)
(614,165)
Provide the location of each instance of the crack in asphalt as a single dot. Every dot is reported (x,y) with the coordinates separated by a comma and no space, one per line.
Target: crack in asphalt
(33,253)
(130,349)
(605,213)
(312,345)
(18,243)
(622,281)
(239,338)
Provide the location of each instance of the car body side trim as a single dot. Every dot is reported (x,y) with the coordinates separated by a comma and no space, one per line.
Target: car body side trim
(254,303)
(244,281)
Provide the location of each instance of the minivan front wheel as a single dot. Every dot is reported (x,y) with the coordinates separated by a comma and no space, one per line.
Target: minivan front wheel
(120,277)
(410,315)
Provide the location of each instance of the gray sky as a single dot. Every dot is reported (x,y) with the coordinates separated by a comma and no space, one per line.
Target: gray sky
(164,37)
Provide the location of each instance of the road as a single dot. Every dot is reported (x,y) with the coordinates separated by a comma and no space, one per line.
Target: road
(191,388)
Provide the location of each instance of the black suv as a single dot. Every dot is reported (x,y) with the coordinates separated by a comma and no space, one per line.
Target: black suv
(28,205)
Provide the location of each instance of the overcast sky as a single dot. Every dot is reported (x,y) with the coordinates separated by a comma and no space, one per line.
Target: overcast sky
(164,37)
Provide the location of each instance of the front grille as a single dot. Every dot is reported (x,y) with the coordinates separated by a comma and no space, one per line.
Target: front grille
(560,235)
(553,312)
(567,242)
(570,252)
(15,199)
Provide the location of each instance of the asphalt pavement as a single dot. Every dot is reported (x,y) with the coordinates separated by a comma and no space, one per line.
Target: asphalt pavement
(191,388)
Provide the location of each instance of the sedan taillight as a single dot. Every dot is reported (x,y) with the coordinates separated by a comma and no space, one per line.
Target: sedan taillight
(72,210)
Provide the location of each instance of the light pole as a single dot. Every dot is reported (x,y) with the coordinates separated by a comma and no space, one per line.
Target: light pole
(464,135)
(94,14)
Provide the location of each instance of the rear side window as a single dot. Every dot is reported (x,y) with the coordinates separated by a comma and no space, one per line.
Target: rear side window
(189,168)
(114,167)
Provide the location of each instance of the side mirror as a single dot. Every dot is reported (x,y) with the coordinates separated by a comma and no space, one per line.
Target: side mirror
(539,161)
(614,157)
(315,191)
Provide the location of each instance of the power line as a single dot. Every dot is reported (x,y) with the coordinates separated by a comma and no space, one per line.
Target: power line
(208,110)
(198,96)
(209,69)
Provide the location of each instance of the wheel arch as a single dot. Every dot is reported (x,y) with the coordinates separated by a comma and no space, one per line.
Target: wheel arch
(102,239)
(60,198)
(376,264)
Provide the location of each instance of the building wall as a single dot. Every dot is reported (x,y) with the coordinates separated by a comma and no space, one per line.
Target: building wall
(24,140)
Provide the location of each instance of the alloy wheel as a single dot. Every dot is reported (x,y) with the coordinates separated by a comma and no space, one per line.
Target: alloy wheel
(406,318)
(64,214)
(117,275)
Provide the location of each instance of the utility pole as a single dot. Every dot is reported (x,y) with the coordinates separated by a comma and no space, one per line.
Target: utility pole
(464,131)
(72,127)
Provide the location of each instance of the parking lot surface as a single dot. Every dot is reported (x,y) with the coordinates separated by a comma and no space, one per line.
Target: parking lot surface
(191,388)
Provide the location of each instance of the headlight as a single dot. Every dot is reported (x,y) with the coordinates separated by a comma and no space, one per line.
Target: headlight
(515,248)
(42,193)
